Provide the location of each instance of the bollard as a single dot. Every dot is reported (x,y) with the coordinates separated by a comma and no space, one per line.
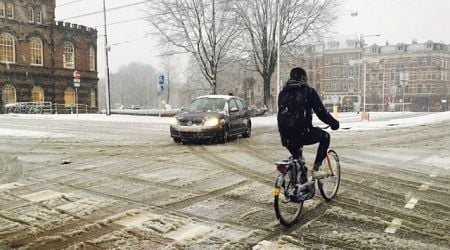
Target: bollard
(335,112)
(365,116)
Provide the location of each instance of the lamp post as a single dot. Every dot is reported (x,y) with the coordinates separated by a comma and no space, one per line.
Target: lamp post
(278,50)
(107,82)
(364,62)
(361,43)
(382,94)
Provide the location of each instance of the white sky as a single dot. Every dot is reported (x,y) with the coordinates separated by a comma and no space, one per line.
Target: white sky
(395,20)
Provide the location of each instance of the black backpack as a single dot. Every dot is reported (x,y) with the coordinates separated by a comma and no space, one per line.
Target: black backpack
(292,111)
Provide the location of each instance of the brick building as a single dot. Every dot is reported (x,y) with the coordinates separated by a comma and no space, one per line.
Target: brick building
(414,77)
(38,57)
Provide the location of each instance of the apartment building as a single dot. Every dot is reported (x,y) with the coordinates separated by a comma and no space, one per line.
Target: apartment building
(414,77)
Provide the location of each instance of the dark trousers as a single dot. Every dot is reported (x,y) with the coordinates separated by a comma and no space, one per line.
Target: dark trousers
(310,137)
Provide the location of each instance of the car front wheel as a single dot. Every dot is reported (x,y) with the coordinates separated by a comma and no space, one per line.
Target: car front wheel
(248,131)
(224,135)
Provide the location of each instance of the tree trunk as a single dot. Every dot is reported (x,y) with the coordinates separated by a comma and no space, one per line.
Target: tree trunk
(267,95)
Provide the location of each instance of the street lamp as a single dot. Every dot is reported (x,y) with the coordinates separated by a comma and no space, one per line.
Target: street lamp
(107,48)
(361,42)
(364,62)
(278,50)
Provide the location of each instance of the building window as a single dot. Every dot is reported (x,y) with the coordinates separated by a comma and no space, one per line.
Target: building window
(2,9)
(7,48)
(9,94)
(30,14)
(38,16)
(69,97)
(37,94)
(92,58)
(10,11)
(36,52)
(93,98)
(69,56)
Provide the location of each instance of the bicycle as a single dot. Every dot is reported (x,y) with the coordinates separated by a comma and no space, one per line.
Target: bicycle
(292,172)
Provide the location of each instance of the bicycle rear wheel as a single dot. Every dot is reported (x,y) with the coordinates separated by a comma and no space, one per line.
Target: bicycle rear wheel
(287,212)
(329,186)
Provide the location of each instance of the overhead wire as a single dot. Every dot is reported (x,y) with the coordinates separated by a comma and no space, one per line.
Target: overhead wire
(68,3)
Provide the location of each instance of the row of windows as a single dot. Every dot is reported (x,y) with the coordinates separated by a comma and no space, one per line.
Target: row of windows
(36,52)
(34,16)
(37,95)
(419,75)
(6,10)
(340,86)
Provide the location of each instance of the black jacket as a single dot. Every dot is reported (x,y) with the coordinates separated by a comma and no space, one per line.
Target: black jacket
(313,103)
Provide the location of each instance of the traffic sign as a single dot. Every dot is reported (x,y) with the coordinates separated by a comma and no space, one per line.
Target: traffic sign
(76,83)
(76,75)
(161,84)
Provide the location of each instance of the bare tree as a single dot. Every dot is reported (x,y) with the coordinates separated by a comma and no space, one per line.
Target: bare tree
(134,84)
(299,20)
(206,29)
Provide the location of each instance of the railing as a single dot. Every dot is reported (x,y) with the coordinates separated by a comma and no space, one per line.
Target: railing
(29,107)
(46,108)
(72,109)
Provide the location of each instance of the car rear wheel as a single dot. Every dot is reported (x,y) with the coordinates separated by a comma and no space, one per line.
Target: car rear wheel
(248,131)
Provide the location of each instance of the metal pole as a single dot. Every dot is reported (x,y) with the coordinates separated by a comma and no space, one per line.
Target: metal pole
(382,95)
(160,100)
(278,50)
(364,93)
(107,83)
(403,99)
(76,98)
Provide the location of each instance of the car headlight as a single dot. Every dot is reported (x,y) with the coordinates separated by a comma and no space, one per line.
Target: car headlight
(211,122)
(173,121)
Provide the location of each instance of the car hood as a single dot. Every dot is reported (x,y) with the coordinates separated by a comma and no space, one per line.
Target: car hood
(198,117)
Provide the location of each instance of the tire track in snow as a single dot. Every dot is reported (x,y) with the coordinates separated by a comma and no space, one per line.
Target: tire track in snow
(10,168)
(223,163)
(411,223)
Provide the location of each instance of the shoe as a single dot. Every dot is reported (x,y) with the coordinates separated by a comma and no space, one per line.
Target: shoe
(319,174)
(306,194)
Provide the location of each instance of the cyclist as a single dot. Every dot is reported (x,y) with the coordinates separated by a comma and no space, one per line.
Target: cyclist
(298,99)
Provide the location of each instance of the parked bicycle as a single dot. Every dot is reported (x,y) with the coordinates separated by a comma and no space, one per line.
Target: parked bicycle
(292,180)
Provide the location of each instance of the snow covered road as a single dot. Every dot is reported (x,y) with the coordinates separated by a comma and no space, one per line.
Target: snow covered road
(120,182)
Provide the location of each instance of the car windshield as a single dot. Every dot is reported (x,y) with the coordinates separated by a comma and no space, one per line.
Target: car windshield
(207,105)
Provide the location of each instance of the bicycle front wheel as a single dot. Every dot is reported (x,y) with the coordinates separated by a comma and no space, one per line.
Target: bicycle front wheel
(287,212)
(329,186)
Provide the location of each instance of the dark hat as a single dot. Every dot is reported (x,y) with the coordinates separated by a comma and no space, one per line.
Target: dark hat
(298,74)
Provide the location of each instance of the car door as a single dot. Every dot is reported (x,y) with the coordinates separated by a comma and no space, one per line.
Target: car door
(244,116)
(233,110)
(241,123)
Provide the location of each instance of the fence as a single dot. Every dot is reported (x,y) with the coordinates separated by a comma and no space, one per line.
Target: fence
(45,108)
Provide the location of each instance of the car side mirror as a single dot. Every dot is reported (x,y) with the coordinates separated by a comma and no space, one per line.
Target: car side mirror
(183,109)
(233,110)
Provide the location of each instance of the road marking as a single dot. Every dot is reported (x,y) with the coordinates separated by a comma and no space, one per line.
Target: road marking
(411,203)
(425,186)
(265,244)
(434,174)
(9,186)
(42,196)
(394,226)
